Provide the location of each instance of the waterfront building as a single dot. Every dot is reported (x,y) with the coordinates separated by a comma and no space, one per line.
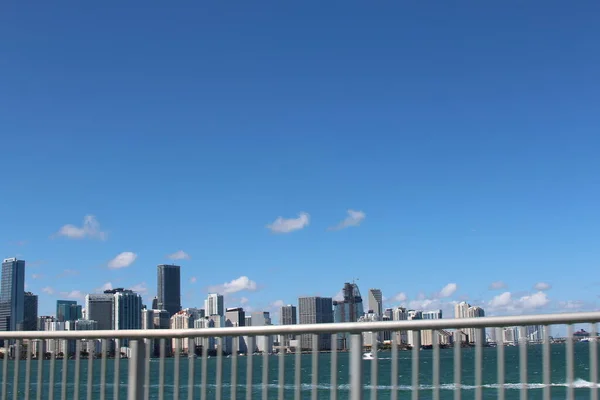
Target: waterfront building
(12,295)
(287,316)
(375,302)
(214,305)
(68,310)
(315,310)
(100,307)
(182,320)
(30,314)
(350,309)
(169,288)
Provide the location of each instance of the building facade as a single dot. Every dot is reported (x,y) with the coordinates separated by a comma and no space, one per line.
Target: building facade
(67,310)
(169,288)
(30,314)
(12,295)
(375,302)
(101,308)
(214,305)
(315,310)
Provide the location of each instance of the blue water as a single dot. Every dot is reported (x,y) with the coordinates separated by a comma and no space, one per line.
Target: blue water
(512,387)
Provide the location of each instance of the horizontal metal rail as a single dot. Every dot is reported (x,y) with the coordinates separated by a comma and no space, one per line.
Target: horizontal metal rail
(346,374)
(329,328)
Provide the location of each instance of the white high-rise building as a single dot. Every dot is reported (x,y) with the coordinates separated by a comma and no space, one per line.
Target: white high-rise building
(182,320)
(213,305)
(400,314)
(101,308)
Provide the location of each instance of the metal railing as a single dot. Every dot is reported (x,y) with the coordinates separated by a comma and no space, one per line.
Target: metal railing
(439,374)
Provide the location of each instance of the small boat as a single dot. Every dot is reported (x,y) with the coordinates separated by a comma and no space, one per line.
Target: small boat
(368,356)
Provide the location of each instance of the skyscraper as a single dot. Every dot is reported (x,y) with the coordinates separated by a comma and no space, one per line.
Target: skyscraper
(288,315)
(30,313)
(67,310)
(350,309)
(235,317)
(169,288)
(315,310)
(213,305)
(101,308)
(376,302)
(128,309)
(12,294)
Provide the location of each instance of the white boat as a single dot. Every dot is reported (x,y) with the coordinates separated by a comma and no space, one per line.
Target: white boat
(368,356)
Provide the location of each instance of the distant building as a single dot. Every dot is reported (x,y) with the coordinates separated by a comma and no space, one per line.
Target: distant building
(427,334)
(235,317)
(465,310)
(376,302)
(262,343)
(68,310)
(350,309)
(169,288)
(101,308)
(315,310)
(31,312)
(214,305)
(288,316)
(12,294)
(128,309)
(182,320)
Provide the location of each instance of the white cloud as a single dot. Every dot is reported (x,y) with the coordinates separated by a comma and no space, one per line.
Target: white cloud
(89,229)
(277,304)
(283,225)
(179,255)
(542,286)
(122,260)
(354,218)
(74,294)
(339,296)
(244,300)
(140,288)
(106,286)
(36,276)
(448,290)
(48,290)
(571,305)
(506,302)
(497,285)
(193,279)
(234,286)
(400,297)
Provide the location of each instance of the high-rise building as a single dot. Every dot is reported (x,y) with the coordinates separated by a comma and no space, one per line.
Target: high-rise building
(427,334)
(350,309)
(12,294)
(169,288)
(30,314)
(128,309)
(155,303)
(376,302)
(213,305)
(235,317)
(67,310)
(475,312)
(101,308)
(288,316)
(315,310)
(182,320)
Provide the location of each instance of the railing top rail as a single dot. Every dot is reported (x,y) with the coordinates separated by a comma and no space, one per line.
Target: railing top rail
(351,327)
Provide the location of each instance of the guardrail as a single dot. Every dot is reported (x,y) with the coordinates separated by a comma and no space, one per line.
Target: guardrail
(346,373)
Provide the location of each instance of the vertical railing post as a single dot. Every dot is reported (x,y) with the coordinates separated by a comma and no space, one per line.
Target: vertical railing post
(356,367)
(135,381)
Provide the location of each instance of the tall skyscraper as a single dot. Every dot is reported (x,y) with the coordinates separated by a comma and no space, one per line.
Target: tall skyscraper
(315,310)
(350,309)
(376,302)
(30,314)
(288,315)
(101,308)
(128,309)
(169,288)
(213,305)
(235,317)
(12,294)
(67,310)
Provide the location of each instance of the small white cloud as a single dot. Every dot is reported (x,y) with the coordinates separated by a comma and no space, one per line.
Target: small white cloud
(237,285)
(74,294)
(277,304)
(497,285)
(502,300)
(542,286)
(89,229)
(179,255)
(48,290)
(571,305)
(534,301)
(106,286)
(283,225)
(140,288)
(448,290)
(122,260)
(339,296)
(354,218)
(400,297)
(193,279)
(36,276)
(506,302)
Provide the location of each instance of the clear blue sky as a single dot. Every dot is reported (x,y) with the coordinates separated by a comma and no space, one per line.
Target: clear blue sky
(467,134)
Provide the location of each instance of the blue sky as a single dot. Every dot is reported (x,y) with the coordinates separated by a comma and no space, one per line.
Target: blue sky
(463,137)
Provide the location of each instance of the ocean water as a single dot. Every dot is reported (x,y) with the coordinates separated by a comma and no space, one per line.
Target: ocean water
(582,383)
